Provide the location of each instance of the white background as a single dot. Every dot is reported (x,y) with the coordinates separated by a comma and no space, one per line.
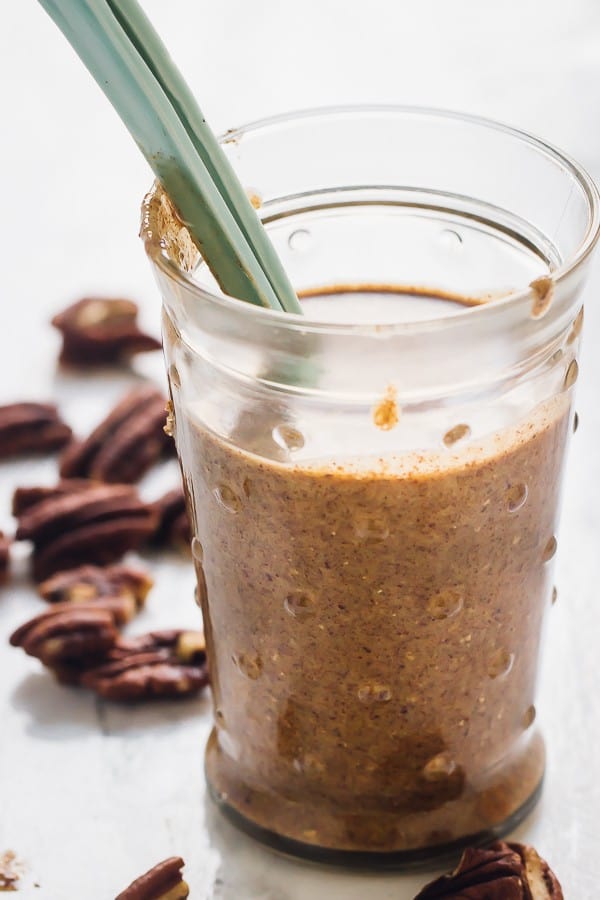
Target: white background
(91,796)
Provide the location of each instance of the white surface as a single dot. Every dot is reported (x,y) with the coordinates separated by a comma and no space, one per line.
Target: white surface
(90,795)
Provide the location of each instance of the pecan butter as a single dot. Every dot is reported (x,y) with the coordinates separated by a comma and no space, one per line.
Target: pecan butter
(372,633)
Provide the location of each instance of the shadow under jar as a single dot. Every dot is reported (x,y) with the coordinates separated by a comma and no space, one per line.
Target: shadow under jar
(374,486)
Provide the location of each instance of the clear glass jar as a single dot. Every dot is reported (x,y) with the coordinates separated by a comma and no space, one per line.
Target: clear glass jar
(374,486)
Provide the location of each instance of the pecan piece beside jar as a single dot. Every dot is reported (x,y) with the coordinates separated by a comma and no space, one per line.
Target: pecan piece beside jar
(125,444)
(26,497)
(503,871)
(71,637)
(98,525)
(173,523)
(162,664)
(4,557)
(92,582)
(101,331)
(31,428)
(163,882)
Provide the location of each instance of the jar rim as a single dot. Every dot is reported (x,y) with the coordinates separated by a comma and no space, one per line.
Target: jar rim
(298,322)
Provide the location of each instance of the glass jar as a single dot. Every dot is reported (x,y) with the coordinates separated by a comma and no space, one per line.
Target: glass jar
(374,486)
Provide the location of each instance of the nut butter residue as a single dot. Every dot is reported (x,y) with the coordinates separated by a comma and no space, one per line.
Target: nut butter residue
(387,414)
(543,294)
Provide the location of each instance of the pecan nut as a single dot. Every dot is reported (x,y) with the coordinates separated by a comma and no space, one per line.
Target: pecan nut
(162,664)
(163,882)
(4,557)
(100,331)
(92,582)
(26,497)
(173,523)
(31,428)
(72,637)
(125,444)
(504,871)
(97,525)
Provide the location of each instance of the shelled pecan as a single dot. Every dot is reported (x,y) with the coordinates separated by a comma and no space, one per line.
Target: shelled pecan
(163,882)
(31,428)
(125,444)
(26,497)
(157,665)
(4,557)
(101,331)
(91,582)
(504,871)
(98,525)
(71,637)
(173,522)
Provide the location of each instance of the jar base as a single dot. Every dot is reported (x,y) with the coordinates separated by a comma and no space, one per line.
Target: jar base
(415,859)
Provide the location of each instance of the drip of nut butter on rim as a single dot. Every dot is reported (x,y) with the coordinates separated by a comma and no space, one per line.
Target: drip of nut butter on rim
(543,294)
(386,413)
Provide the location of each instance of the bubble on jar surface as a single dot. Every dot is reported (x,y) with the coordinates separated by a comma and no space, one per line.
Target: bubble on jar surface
(371,529)
(576,327)
(554,596)
(445,604)
(249,665)
(529,717)
(227,744)
(500,663)
(516,497)
(300,604)
(197,550)
(227,498)
(575,422)
(571,374)
(300,239)
(549,549)
(439,767)
(374,692)
(174,376)
(457,433)
(288,438)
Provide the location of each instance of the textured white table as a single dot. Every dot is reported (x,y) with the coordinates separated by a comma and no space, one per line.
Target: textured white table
(91,795)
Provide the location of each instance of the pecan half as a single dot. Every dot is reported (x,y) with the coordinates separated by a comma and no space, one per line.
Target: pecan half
(4,557)
(91,582)
(100,331)
(31,428)
(173,522)
(98,525)
(26,497)
(152,666)
(72,637)
(163,882)
(125,444)
(504,871)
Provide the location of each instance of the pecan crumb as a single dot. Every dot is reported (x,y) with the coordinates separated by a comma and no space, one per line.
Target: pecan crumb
(31,428)
(543,294)
(9,871)
(503,871)
(4,557)
(96,525)
(92,582)
(163,882)
(101,331)
(173,523)
(125,444)
(162,664)
(386,414)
